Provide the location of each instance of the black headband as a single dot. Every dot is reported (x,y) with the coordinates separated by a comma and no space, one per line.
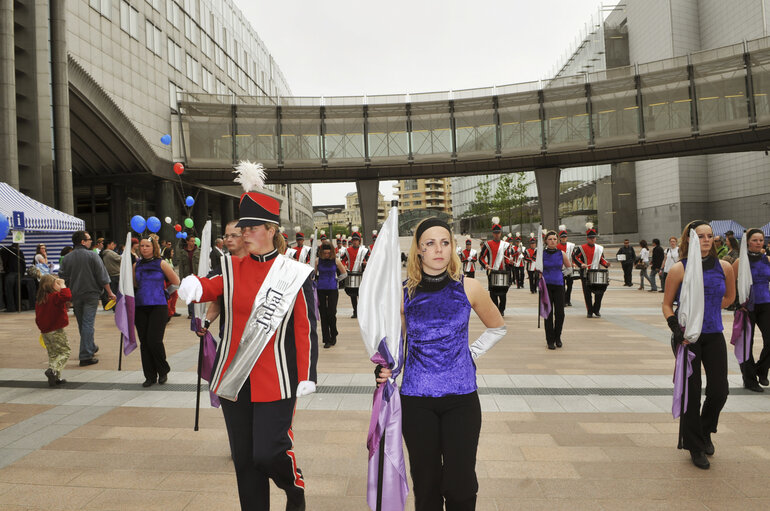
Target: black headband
(428,223)
(694,224)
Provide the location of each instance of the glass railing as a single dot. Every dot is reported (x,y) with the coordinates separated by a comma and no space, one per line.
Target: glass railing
(716,91)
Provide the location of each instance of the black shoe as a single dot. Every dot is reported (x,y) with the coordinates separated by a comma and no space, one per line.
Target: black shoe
(558,343)
(597,314)
(296,506)
(175,315)
(51,377)
(709,445)
(61,381)
(163,378)
(699,459)
(327,345)
(568,304)
(754,388)
(148,383)
(96,350)
(589,315)
(354,316)
(333,341)
(763,381)
(89,362)
(551,346)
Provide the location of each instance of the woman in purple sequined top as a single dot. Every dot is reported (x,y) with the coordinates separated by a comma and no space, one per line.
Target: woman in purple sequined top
(440,406)
(755,372)
(553,262)
(695,424)
(150,274)
(329,271)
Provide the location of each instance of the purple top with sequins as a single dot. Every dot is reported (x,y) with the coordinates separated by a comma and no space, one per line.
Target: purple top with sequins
(438,360)
(552,264)
(327,274)
(760,279)
(150,282)
(713,289)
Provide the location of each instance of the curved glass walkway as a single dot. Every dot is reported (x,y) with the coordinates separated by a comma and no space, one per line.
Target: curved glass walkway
(707,102)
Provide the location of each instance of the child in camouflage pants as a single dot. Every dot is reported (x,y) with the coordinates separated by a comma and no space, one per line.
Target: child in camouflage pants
(51,318)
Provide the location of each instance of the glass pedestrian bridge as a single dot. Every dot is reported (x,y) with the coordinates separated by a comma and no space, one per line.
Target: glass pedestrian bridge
(714,101)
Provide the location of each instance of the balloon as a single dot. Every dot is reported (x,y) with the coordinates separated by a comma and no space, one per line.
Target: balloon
(188,222)
(184,235)
(178,228)
(178,168)
(153,224)
(179,235)
(3,227)
(167,219)
(189,201)
(165,139)
(197,242)
(138,223)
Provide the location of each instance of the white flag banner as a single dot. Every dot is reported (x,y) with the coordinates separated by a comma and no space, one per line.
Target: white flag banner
(539,252)
(744,272)
(204,265)
(691,296)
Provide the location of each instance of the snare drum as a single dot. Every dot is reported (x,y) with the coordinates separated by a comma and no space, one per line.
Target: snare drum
(354,280)
(600,277)
(500,278)
(575,272)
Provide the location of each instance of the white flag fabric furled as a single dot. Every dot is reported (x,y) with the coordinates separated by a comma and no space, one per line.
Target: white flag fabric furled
(314,251)
(691,296)
(744,273)
(539,251)
(125,307)
(204,265)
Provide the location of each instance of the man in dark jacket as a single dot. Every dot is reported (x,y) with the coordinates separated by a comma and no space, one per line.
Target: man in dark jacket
(626,256)
(656,263)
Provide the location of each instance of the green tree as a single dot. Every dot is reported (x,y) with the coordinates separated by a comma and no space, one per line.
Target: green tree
(511,193)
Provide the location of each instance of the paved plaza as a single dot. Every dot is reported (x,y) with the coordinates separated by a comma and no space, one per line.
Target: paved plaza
(584,427)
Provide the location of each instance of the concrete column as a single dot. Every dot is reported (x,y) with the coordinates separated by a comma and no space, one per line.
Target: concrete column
(61,109)
(9,155)
(367,201)
(165,205)
(548,194)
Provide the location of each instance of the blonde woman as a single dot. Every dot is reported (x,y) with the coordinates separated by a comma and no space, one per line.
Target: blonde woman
(440,404)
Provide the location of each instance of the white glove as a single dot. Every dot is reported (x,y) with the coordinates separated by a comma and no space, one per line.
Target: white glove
(190,290)
(342,277)
(305,387)
(488,339)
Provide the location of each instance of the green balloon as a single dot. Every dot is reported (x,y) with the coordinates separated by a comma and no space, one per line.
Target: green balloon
(188,222)
(197,242)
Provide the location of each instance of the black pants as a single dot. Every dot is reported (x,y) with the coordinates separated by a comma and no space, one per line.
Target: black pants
(150,326)
(533,278)
(568,289)
(470,274)
(593,304)
(327,309)
(353,294)
(555,320)
(262,447)
(442,435)
(519,272)
(695,424)
(750,369)
(628,269)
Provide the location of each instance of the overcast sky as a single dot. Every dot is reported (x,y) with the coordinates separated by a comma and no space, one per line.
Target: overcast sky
(346,47)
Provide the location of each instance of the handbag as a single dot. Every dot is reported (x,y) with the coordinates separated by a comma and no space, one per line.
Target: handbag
(640,265)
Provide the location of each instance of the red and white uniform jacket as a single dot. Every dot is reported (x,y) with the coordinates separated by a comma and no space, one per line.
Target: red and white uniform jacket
(468,258)
(568,248)
(530,256)
(292,353)
(517,256)
(349,258)
(301,254)
(584,254)
(488,255)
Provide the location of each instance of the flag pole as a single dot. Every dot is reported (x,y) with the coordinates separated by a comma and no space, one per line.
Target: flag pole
(380,468)
(539,297)
(198,393)
(120,351)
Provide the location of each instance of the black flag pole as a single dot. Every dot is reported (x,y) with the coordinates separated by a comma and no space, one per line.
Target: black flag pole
(120,352)
(198,387)
(380,467)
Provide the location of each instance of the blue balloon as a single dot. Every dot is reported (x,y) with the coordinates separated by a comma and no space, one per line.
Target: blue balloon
(189,201)
(165,139)
(153,224)
(184,235)
(3,227)
(179,235)
(138,223)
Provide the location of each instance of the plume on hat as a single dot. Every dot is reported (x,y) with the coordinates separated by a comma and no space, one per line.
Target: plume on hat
(495,219)
(323,232)
(562,227)
(251,175)
(532,235)
(545,231)
(297,228)
(355,228)
(518,234)
(374,232)
(589,225)
(281,229)
(338,236)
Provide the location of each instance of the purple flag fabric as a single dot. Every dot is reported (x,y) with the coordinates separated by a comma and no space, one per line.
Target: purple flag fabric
(681,380)
(124,320)
(209,355)
(741,338)
(386,422)
(545,301)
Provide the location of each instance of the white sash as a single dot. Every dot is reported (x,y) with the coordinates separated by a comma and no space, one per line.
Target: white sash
(471,257)
(303,254)
(273,302)
(499,257)
(359,259)
(598,250)
(290,253)
(570,249)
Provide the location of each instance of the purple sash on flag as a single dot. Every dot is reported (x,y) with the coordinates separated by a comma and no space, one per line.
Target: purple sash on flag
(545,301)
(124,320)
(681,384)
(386,421)
(209,356)
(741,337)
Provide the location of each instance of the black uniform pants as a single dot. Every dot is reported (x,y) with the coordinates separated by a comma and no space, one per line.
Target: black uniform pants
(593,303)
(470,274)
(628,269)
(262,447)
(533,278)
(750,369)
(327,309)
(353,294)
(555,320)
(568,289)
(695,423)
(519,272)
(442,436)
(151,323)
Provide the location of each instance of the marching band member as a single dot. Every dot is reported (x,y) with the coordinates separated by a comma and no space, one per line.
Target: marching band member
(567,247)
(589,255)
(530,256)
(355,258)
(554,260)
(492,259)
(518,261)
(268,355)
(284,249)
(469,257)
(301,252)
(374,238)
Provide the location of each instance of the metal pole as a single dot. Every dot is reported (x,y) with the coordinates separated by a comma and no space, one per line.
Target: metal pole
(120,350)
(18,281)
(198,388)
(380,465)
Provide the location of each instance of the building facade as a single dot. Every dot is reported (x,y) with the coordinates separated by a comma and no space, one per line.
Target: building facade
(432,194)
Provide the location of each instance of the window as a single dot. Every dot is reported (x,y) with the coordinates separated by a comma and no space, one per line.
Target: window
(129,19)
(221,88)
(101,6)
(153,38)
(174,55)
(173,13)
(191,30)
(155,4)
(220,58)
(173,89)
(191,7)
(206,45)
(207,80)
(410,184)
(192,68)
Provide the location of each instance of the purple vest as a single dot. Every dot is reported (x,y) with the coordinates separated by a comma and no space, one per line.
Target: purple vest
(438,358)
(151,283)
(327,274)
(760,280)
(713,289)
(552,264)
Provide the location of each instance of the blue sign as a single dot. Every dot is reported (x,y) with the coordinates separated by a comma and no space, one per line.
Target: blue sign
(18,220)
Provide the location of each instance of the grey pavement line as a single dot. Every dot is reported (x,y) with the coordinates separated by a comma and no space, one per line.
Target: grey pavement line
(368,389)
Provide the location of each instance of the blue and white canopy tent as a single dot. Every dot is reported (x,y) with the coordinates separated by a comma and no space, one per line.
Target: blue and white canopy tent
(43,224)
(720,227)
(766,229)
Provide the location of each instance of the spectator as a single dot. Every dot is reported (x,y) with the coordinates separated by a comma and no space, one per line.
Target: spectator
(2,280)
(719,244)
(733,250)
(98,246)
(656,263)
(186,261)
(15,265)
(627,262)
(64,251)
(134,249)
(642,263)
(85,275)
(112,263)
(51,318)
(672,257)
(216,255)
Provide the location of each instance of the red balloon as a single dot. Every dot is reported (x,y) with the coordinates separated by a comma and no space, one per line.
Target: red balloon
(178,228)
(178,168)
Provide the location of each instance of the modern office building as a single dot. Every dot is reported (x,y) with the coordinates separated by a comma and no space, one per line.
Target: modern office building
(89,87)
(656,198)
(431,194)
